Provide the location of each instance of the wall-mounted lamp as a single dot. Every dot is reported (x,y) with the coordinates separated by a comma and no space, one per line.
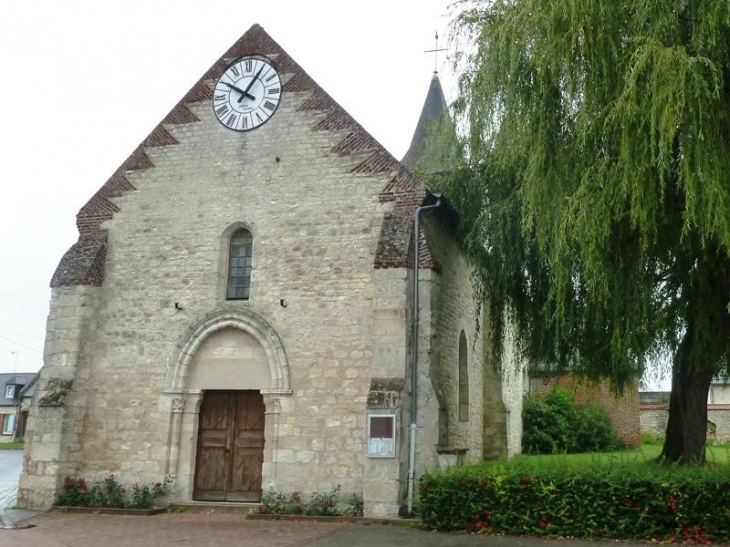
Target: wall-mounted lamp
(178,306)
(282,303)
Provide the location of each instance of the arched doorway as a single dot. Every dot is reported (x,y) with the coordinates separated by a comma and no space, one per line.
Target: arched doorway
(226,379)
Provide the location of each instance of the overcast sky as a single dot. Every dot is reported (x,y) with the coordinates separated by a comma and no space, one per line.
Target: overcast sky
(85,81)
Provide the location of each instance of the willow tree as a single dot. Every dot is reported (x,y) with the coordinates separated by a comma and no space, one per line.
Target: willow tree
(597,196)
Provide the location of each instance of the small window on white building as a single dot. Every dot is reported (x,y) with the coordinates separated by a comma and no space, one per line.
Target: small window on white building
(381,436)
(9,392)
(8,424)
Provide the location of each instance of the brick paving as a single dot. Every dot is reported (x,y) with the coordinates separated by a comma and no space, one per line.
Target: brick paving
(232,530)
(194,529)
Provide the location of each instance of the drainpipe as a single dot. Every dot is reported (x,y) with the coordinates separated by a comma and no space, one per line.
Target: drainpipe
(414,350)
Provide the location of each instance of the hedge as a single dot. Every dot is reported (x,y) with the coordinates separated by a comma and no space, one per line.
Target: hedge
(601,504)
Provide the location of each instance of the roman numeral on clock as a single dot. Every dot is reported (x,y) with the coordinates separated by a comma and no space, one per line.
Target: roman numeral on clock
(274,91)
(220,97)
(259,118)
(268,105)
(249,65)
(231,121)
(271,77)
(222,110)
(234,69)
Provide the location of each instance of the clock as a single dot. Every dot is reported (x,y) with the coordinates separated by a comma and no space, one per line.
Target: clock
(247,94)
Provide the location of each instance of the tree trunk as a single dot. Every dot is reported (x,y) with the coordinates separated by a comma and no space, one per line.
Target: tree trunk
(687,423)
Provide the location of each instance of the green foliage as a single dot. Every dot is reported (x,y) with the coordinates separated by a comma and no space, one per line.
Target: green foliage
(277,503)
(14,445)
(324,504)
(355,506)
(144,496)
(543,431)
(651,439)
(75,493)
(556,424)
(318,504)
(596,431)
(617,502)
(109,493)
(596,200)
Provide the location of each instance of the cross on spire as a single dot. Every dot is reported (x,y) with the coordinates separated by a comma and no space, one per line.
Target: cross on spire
(435,52)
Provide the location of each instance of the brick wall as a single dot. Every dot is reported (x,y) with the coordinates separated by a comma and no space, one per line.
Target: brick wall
(623,409)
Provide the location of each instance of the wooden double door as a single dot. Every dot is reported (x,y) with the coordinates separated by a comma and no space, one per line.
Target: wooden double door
(230,446)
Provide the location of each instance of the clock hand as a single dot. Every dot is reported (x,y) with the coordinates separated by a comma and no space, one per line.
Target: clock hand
(250,84)
(241,91)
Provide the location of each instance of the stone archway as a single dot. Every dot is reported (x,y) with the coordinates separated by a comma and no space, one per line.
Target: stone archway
(185,399)
(246,320)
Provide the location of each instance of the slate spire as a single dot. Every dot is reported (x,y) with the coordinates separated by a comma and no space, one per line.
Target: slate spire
(434,136)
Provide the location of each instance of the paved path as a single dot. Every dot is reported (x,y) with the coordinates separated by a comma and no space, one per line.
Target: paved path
(202,530)
(11,463)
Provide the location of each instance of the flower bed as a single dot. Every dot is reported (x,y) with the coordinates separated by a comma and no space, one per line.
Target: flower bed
(316,505)
(110,494)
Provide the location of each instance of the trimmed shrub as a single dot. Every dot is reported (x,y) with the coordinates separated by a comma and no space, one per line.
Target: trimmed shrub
(556,425)
(600,504)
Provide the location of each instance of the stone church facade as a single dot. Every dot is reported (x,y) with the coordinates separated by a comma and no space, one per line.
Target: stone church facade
(237,312)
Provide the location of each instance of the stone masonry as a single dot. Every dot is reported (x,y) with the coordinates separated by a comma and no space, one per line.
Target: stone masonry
(140,328)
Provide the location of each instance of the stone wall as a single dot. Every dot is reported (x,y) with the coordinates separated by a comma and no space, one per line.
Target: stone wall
(514,387)
(315,227)
(455,311)
(54,432)
(654,407)
(384,487)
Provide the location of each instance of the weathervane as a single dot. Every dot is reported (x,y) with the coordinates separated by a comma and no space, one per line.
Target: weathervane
(435,52)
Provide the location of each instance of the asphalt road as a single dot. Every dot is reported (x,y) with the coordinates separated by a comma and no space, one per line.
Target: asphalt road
(11,463)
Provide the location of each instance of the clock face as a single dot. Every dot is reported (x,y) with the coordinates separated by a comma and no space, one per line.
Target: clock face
(247,94)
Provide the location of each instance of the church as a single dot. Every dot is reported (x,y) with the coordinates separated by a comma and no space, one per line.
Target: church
(262,297)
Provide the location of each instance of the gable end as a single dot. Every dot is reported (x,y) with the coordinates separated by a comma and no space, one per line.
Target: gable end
(404,190)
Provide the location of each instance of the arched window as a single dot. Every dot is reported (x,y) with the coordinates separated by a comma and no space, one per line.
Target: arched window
(463,380)
(239,265)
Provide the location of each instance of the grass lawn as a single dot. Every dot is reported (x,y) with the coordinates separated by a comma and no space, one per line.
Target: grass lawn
(17,445)
(642,459)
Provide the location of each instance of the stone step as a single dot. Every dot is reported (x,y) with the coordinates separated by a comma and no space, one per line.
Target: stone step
(242,508)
